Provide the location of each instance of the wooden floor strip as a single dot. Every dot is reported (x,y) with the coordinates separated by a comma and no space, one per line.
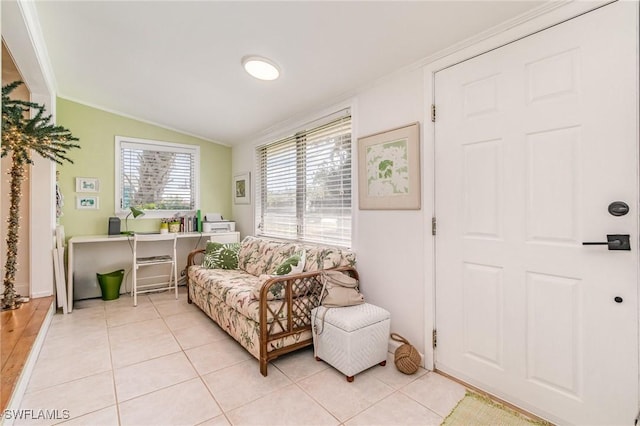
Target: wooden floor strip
(18,331)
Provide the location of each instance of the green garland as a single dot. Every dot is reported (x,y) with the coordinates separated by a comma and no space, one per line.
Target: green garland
(20,136)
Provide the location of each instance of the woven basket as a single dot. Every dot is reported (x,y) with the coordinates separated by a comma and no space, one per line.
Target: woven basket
(407,357)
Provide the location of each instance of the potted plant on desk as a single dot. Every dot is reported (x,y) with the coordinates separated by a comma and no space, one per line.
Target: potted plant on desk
(174,225)
(164,226)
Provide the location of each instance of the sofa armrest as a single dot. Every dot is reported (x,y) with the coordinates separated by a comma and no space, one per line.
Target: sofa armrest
(303,277)
(292,313)
(195,257)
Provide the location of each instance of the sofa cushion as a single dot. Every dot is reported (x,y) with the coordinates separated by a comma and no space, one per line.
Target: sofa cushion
(282,251)
(233,287)
(221,256)
(229,285)
(259,256)
(219,280)
(324,257)
(255,255)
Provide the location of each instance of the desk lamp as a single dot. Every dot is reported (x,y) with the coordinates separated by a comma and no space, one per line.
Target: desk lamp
(135,212)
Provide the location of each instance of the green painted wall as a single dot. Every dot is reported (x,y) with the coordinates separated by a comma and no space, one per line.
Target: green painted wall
(97,130)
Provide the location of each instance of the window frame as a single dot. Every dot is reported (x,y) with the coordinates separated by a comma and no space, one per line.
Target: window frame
(299,134)
(152,144)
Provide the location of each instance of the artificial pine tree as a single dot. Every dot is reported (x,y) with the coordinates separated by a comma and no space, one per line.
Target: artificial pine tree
(20,136)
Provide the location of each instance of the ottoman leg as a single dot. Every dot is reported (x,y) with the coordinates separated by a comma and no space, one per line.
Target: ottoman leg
(383,363)
(349,379)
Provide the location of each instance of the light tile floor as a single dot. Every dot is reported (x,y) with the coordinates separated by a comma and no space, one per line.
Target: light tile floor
(166,363)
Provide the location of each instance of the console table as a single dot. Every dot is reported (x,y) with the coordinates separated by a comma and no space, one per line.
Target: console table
(91,254)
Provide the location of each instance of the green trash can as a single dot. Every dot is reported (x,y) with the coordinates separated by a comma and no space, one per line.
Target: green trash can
(110,284)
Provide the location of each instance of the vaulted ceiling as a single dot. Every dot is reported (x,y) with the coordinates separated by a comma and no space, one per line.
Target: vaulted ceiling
(178,63)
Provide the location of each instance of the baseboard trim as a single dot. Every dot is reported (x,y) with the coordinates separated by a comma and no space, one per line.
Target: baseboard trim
(41,294)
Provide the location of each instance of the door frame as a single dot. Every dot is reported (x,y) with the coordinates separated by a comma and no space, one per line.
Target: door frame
(22,35)
(538,20)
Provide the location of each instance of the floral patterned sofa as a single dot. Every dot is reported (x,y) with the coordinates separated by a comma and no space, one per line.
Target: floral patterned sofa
(268,314)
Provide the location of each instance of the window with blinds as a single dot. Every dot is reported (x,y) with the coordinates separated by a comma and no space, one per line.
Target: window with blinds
(156,176)
(304,184)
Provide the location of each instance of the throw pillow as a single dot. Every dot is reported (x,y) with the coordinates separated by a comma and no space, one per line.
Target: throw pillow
(221,256)
(292,265)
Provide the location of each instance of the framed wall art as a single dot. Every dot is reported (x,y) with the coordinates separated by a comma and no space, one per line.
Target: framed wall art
(87,202)
(84,184)
(389,169)
(242,188)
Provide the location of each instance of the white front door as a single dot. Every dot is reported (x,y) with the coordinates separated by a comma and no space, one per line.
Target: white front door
(534,140)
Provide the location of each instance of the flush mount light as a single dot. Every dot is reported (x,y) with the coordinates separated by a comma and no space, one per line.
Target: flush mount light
(260,68)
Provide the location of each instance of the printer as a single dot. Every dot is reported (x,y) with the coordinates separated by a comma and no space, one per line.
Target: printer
(213,222)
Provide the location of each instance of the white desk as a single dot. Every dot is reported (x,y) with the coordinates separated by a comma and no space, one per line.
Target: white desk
(91,254)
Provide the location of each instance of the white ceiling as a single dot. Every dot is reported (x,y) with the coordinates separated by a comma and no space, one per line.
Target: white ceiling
(177,63)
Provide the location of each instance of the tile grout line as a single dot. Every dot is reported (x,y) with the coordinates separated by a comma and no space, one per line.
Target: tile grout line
(291,382)
(418,402)
(182,349)
(96,374)
(316,401)
(325,408)
(113,370)
(146,360)
(393,391)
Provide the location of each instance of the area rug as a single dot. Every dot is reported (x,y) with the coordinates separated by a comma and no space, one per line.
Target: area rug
(475,409)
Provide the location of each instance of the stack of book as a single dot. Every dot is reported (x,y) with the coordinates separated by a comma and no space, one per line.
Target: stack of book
(191,223)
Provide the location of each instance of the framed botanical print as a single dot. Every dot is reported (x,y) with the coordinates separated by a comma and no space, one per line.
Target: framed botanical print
(389,169)
(242,188)
(84,184)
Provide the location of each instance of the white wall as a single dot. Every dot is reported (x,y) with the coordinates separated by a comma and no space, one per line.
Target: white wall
(243,161)
(389,244)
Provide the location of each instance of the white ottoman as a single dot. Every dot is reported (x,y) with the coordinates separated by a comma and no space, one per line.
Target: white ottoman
(352,338)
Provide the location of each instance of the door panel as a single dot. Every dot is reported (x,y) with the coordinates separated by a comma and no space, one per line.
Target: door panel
(533,141)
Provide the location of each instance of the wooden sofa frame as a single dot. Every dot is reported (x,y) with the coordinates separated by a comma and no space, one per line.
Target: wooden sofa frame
(302,294)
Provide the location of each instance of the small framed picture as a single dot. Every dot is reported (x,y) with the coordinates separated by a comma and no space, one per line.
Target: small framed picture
(84,184)
(242,188)
(87,202)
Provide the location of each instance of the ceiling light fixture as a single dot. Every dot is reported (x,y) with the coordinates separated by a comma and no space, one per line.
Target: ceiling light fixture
(260,68)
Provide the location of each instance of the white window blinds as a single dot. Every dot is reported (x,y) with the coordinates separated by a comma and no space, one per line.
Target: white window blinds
(155,175)
(304,184)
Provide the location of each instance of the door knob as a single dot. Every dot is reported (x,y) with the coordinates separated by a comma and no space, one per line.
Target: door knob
(614,242)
